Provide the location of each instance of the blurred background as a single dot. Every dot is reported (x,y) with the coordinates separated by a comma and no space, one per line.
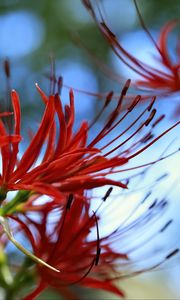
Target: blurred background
(34,32)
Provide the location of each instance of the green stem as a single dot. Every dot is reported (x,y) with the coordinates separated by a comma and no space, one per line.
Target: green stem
(22,278)
(6,278)
(10,207)
(7,230)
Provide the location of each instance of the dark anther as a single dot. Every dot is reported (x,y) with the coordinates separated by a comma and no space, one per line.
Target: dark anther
(172,253)
(59,84)
(134,103)
(162,177)
(108,98)
(152,114)
(97,256)
(152,103)
(158,120)
(164,203)
(107,193)
(147,137)
(147,196)
(153,204)
(126,87)
(69,201)
(98,250)
(166,225)
(7,68)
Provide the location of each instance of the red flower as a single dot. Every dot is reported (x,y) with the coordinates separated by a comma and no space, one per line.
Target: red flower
(153,78)
(65,244)
(70,163)
(61,237)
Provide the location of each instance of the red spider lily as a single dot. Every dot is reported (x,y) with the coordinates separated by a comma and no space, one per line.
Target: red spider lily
(166,81)
(70,163)
(88,262)
(67,247)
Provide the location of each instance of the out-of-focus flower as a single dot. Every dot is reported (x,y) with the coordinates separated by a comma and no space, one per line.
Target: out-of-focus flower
(67,247)
(70,162)
(154,79)
(62,238)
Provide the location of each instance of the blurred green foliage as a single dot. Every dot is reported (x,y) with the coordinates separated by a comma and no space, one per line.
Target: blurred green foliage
(60,23)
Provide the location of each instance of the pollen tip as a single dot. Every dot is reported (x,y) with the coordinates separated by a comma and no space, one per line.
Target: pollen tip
(107,194)
(172,253)
(153,204)
(147,122)
(126,87)
(7,68)
(97,256)
(128,81)
(166,226)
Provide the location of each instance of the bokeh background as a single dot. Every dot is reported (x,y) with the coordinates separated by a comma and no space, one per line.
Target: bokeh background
(32,32)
